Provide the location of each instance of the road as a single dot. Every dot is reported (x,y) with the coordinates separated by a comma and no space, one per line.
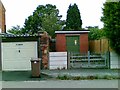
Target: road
(61,84)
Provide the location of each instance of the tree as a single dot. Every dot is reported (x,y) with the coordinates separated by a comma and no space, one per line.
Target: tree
(95,33)
(111,19)
(16,30)
(44,18)
(73,21)
(32,25)
(49,24)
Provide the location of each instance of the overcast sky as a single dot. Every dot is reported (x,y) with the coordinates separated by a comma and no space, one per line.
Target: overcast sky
(18,10)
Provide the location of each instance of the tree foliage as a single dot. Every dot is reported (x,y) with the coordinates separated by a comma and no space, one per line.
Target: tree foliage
(95,33)
(16,30)
(73,21)
(45,18)
(111,19)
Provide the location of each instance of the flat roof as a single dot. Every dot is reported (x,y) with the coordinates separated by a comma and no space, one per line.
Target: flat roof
(12,35)
(71,32)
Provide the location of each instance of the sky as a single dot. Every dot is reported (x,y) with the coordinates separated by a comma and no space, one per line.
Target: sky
(18,10)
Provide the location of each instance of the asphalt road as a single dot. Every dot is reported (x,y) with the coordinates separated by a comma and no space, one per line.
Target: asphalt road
(61,84)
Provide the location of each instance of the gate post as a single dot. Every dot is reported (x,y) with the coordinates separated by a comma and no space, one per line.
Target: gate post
(68,60)
(88,58)
(108,59)
(0,54)
(105,58)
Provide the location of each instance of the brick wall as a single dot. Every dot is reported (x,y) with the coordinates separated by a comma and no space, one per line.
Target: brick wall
(60,43)
(2,17)
(83,43)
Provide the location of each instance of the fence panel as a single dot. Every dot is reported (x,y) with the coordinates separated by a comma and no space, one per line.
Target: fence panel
(99,46)
(58,60)
(90,60)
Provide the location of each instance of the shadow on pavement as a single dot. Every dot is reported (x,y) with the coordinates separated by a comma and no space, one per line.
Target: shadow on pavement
(22,76)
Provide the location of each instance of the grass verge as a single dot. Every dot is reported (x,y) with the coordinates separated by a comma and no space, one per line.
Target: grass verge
(67,77)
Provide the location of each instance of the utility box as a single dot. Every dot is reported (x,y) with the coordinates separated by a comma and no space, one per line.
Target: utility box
(35,67)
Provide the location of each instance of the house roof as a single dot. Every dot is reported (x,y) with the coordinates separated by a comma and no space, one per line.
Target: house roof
(2,5)
(72,32)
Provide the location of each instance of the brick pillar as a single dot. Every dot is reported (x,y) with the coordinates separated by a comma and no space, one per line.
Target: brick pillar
(44,44)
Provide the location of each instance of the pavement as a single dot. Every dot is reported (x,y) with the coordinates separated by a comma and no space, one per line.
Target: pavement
(23,79)
(52,74)
(62,84)
(21,76)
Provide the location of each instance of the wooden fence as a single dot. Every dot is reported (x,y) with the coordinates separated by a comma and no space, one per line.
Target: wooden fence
(99,46)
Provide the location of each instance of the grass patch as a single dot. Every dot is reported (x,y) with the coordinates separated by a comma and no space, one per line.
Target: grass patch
(108,77)
(66,77)
(76,78)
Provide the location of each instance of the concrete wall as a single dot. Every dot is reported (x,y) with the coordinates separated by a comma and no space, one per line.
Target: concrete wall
(2,18)
(114,60)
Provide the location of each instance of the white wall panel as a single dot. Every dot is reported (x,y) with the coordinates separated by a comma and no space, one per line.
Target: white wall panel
(114,60)
(57,60)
